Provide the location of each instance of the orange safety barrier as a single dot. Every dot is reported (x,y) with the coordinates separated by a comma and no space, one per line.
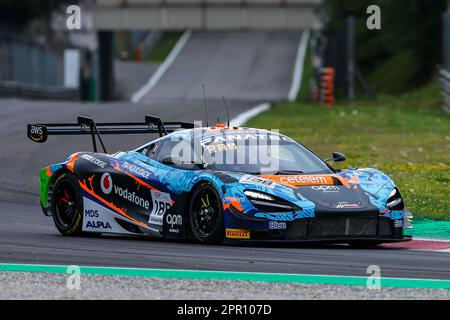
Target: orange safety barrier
(326,86)
(138,54)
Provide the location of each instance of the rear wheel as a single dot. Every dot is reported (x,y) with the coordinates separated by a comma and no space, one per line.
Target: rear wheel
(206,214)
(67,205)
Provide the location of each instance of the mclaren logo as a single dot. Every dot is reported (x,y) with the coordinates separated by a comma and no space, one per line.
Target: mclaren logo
(106,183)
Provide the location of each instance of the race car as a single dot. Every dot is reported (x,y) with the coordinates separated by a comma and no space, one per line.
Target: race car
(213,184)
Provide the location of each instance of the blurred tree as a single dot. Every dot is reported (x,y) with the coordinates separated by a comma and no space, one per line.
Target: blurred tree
(20,12)
(411,29)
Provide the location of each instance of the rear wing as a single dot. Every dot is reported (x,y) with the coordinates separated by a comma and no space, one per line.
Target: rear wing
(39,132)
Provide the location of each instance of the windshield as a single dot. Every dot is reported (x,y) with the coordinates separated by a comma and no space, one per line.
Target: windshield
(260,153)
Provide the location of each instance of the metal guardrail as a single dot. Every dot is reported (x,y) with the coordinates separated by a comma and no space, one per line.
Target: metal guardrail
(32,69)
(10,89)
(445,80)
(30,63)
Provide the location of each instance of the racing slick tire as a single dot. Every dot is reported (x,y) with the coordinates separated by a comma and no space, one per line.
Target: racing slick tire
(206,218)
(67,206)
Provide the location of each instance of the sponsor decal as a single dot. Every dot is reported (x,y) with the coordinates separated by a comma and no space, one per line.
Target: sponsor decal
(237,234)
(161,203)
(213,148)
(106,183)
(90,213)
(136,170)
(174,220)
(275,225)
(326,189)
(132,197)
(398,223)
(94,160)
(37,133)
(300,180)
(97,218)
(281,216)
(98,225)
(233,199)
(107,186)
(249,179)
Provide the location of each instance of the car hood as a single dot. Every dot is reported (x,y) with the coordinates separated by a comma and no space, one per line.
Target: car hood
(335,196)
(326,191)
(352,190)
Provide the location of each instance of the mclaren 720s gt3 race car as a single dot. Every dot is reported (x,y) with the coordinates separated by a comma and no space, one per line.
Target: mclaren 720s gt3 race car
(214,184)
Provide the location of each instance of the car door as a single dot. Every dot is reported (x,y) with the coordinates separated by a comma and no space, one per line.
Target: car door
(171,184)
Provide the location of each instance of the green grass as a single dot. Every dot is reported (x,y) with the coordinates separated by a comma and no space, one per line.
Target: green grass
(164,46)
(395,75)
(406,136)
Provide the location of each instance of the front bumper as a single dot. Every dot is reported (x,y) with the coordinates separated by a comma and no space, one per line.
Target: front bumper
(333,228)
(321,241)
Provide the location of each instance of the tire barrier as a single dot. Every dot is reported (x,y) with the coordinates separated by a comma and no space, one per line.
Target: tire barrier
(326,86)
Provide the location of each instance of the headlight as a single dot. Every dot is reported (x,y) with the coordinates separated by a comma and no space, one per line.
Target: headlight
(268,203)
(395,201)
(393,192)
(258,195)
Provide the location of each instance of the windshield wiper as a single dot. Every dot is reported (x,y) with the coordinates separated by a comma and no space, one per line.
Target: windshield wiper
(287,172)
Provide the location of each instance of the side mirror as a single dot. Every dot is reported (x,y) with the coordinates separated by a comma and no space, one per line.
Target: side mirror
(337,157)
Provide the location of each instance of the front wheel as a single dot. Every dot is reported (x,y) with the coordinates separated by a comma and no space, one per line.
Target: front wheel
(67,205)
(206,214)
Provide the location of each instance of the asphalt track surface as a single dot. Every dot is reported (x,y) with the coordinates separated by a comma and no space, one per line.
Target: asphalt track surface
(26,236)
(246,66)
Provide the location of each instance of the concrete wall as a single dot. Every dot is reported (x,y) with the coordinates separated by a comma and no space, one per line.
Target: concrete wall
(207,14)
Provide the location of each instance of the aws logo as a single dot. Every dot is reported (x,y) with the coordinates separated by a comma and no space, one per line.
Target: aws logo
(106,183)
(37,133)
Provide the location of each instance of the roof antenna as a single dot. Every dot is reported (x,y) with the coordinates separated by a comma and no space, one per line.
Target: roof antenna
(204,99)
(228,114)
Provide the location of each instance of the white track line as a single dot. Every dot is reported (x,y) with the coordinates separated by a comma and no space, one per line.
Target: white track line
(247,115)
(298,69)
(431,239)
(162,68)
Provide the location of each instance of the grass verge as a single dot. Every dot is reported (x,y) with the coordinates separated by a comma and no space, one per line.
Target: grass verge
(406,136)
(164,46)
